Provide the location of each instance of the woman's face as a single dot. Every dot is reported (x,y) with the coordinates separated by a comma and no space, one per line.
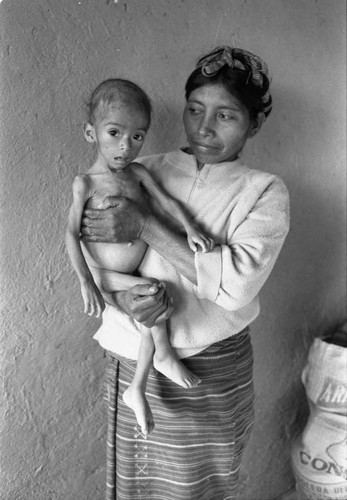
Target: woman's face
(217,124)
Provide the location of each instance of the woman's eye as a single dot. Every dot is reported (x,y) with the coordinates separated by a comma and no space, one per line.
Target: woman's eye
(194,111)
(225,116)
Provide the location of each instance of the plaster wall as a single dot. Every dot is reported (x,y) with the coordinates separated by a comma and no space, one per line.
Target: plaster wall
(52,55)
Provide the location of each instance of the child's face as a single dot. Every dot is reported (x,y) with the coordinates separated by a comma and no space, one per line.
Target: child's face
(217,124)
(119,133)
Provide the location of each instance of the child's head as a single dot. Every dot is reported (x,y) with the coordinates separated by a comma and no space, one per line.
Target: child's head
(118,120)
(243,74)
(113,91)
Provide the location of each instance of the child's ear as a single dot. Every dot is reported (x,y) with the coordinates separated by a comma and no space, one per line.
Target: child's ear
(89,132)
(256,124)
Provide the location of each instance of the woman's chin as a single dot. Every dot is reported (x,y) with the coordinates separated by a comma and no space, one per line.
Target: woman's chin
(205,157)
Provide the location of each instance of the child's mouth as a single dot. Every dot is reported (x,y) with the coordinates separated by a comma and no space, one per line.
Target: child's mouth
(121,158)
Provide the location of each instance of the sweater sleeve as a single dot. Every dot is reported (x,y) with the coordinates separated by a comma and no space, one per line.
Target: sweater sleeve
(233,273)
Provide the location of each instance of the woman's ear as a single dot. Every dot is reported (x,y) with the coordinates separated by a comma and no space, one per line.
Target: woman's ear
(256,124)
(89,132)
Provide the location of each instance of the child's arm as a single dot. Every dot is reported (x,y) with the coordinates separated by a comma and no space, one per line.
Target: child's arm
(172,207)
(93,301)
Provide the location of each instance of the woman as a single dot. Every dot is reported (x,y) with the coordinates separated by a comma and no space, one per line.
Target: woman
(195,450)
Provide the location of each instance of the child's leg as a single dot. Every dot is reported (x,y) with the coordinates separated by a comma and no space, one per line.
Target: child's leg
(166,362)
(134,396)
(110,281)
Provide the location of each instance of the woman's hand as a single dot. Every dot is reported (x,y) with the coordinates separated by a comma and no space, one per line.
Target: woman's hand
(123,221)
(148,304)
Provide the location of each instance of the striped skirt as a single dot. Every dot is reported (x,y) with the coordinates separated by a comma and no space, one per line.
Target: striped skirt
(194,452)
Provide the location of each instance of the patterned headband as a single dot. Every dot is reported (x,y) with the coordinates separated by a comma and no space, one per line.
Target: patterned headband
(242,60)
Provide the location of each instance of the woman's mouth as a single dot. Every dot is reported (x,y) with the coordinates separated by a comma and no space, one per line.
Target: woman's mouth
(204,147)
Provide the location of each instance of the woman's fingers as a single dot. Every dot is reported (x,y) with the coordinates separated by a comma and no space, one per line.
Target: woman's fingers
(160,312)
(146,303)
(164,312)
(93,214)
(119,224)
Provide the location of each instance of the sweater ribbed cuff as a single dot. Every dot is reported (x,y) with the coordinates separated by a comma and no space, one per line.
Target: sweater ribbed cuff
(209,271)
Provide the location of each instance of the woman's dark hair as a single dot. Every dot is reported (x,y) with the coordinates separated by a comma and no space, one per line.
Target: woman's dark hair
(117,89)
(238,83)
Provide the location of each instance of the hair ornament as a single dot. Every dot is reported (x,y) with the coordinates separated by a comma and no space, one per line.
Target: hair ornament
(240,59)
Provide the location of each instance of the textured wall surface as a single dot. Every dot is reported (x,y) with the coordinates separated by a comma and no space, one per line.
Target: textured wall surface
(53,53)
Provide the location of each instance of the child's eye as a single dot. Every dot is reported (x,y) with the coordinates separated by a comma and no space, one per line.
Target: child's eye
(114,133)
(139,137)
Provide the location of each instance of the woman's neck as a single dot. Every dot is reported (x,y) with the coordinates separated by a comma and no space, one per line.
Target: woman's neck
(190,152)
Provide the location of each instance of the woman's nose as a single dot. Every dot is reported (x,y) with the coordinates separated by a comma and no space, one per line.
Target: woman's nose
(206,126)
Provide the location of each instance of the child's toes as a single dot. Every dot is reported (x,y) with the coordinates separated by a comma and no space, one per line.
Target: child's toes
(192,382)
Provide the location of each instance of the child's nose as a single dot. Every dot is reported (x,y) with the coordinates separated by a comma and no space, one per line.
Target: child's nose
(125,144)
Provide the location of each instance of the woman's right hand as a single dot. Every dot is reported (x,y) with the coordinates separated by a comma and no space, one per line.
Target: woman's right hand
(123,220)
(147,304)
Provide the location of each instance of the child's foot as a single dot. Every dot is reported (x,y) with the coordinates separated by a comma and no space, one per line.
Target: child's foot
(136,400)
(173,369)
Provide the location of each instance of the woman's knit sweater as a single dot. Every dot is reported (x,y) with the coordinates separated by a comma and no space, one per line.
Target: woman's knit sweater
(246,212)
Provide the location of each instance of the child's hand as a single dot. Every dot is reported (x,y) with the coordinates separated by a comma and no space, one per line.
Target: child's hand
(93,301)
(197,239)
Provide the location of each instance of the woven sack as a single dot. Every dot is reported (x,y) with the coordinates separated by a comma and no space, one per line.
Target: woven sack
(319,454)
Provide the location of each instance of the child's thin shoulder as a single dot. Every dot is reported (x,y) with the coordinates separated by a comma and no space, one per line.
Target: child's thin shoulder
(81,183)
(137,167)
(139,170)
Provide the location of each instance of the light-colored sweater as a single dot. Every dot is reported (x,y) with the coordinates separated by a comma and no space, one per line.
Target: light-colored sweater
(246,212)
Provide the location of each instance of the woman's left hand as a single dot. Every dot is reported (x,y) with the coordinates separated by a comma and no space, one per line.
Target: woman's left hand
(122,222)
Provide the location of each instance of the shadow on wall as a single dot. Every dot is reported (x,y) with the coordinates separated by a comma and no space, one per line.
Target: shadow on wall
(314,248)
(166,131)
(315,245)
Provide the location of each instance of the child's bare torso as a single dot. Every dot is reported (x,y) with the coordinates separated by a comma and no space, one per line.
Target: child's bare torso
(121,257)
